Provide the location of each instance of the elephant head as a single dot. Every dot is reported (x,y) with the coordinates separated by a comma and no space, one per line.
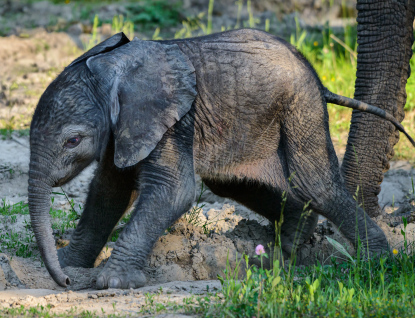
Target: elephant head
(385,38)
(129,92)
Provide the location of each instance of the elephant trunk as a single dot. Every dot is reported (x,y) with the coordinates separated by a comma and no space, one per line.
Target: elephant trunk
(385,37)
(39,205)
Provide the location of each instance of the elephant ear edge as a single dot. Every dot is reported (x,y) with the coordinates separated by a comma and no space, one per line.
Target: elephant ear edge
(152,86)
(109,44)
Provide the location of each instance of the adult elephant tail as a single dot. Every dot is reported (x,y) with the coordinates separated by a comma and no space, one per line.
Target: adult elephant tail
(358,105)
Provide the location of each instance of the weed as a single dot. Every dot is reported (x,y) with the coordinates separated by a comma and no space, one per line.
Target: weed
(119,24)
(13,209)
(6,133)
(95,37)
(193,216)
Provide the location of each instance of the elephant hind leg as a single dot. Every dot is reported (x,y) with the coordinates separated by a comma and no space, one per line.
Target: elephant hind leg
(310,154)
(266,201)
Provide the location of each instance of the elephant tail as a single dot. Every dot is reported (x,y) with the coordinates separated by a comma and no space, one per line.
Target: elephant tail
(358,105)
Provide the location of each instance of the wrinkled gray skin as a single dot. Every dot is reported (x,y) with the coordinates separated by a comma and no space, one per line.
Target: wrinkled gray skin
(243,109)
(385,38)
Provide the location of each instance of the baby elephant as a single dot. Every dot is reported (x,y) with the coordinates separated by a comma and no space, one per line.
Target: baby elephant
(243,109)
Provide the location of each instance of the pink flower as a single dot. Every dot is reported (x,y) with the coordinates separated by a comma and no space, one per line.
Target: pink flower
(259,249)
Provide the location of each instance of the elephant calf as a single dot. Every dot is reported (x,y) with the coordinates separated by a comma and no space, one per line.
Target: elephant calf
(243,109)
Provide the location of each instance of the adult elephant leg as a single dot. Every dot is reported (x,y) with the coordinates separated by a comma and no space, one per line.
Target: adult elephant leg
(110,194)
(385,38)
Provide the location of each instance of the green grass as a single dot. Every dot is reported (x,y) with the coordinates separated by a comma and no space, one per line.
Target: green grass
(6,133)
(378,287)
(383,287)
(8,209)
(44,311)
(375,288)
(19,240)
(63,220)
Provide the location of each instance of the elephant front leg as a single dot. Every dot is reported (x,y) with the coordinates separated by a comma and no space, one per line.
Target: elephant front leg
(110,194)
(167,190)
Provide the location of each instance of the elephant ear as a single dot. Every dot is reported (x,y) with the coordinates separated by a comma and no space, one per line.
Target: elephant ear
(109,44)
(151,86)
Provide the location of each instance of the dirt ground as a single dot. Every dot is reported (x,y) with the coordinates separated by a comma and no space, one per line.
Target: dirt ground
(184,262)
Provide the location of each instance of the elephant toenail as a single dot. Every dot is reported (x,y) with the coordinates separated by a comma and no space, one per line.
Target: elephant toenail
(100,284)
(114,282)
(131,285)
(141,280)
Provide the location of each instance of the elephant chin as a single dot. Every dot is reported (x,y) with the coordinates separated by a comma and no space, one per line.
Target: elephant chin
(39,205)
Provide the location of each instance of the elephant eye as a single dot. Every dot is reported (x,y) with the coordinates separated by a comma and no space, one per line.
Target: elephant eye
(73,142)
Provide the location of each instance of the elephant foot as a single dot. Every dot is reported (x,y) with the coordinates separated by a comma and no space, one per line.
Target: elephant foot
(376,244)
(67,258)
(374,251)
(114,276)
(301,253)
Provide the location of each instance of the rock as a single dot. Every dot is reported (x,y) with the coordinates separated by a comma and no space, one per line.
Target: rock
(75,29)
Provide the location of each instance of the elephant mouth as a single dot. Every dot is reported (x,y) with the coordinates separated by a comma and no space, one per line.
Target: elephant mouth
(64,176)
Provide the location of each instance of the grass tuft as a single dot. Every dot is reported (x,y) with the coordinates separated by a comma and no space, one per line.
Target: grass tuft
(381,287)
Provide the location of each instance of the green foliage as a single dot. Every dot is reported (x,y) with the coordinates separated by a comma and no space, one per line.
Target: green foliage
(44,311)
(150,14)
(19,240)
(382,287)
(6,133)
(116,233)
(95,37)
(63,220)
(410,89)
(12,209)
(19,243)
(119,24)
